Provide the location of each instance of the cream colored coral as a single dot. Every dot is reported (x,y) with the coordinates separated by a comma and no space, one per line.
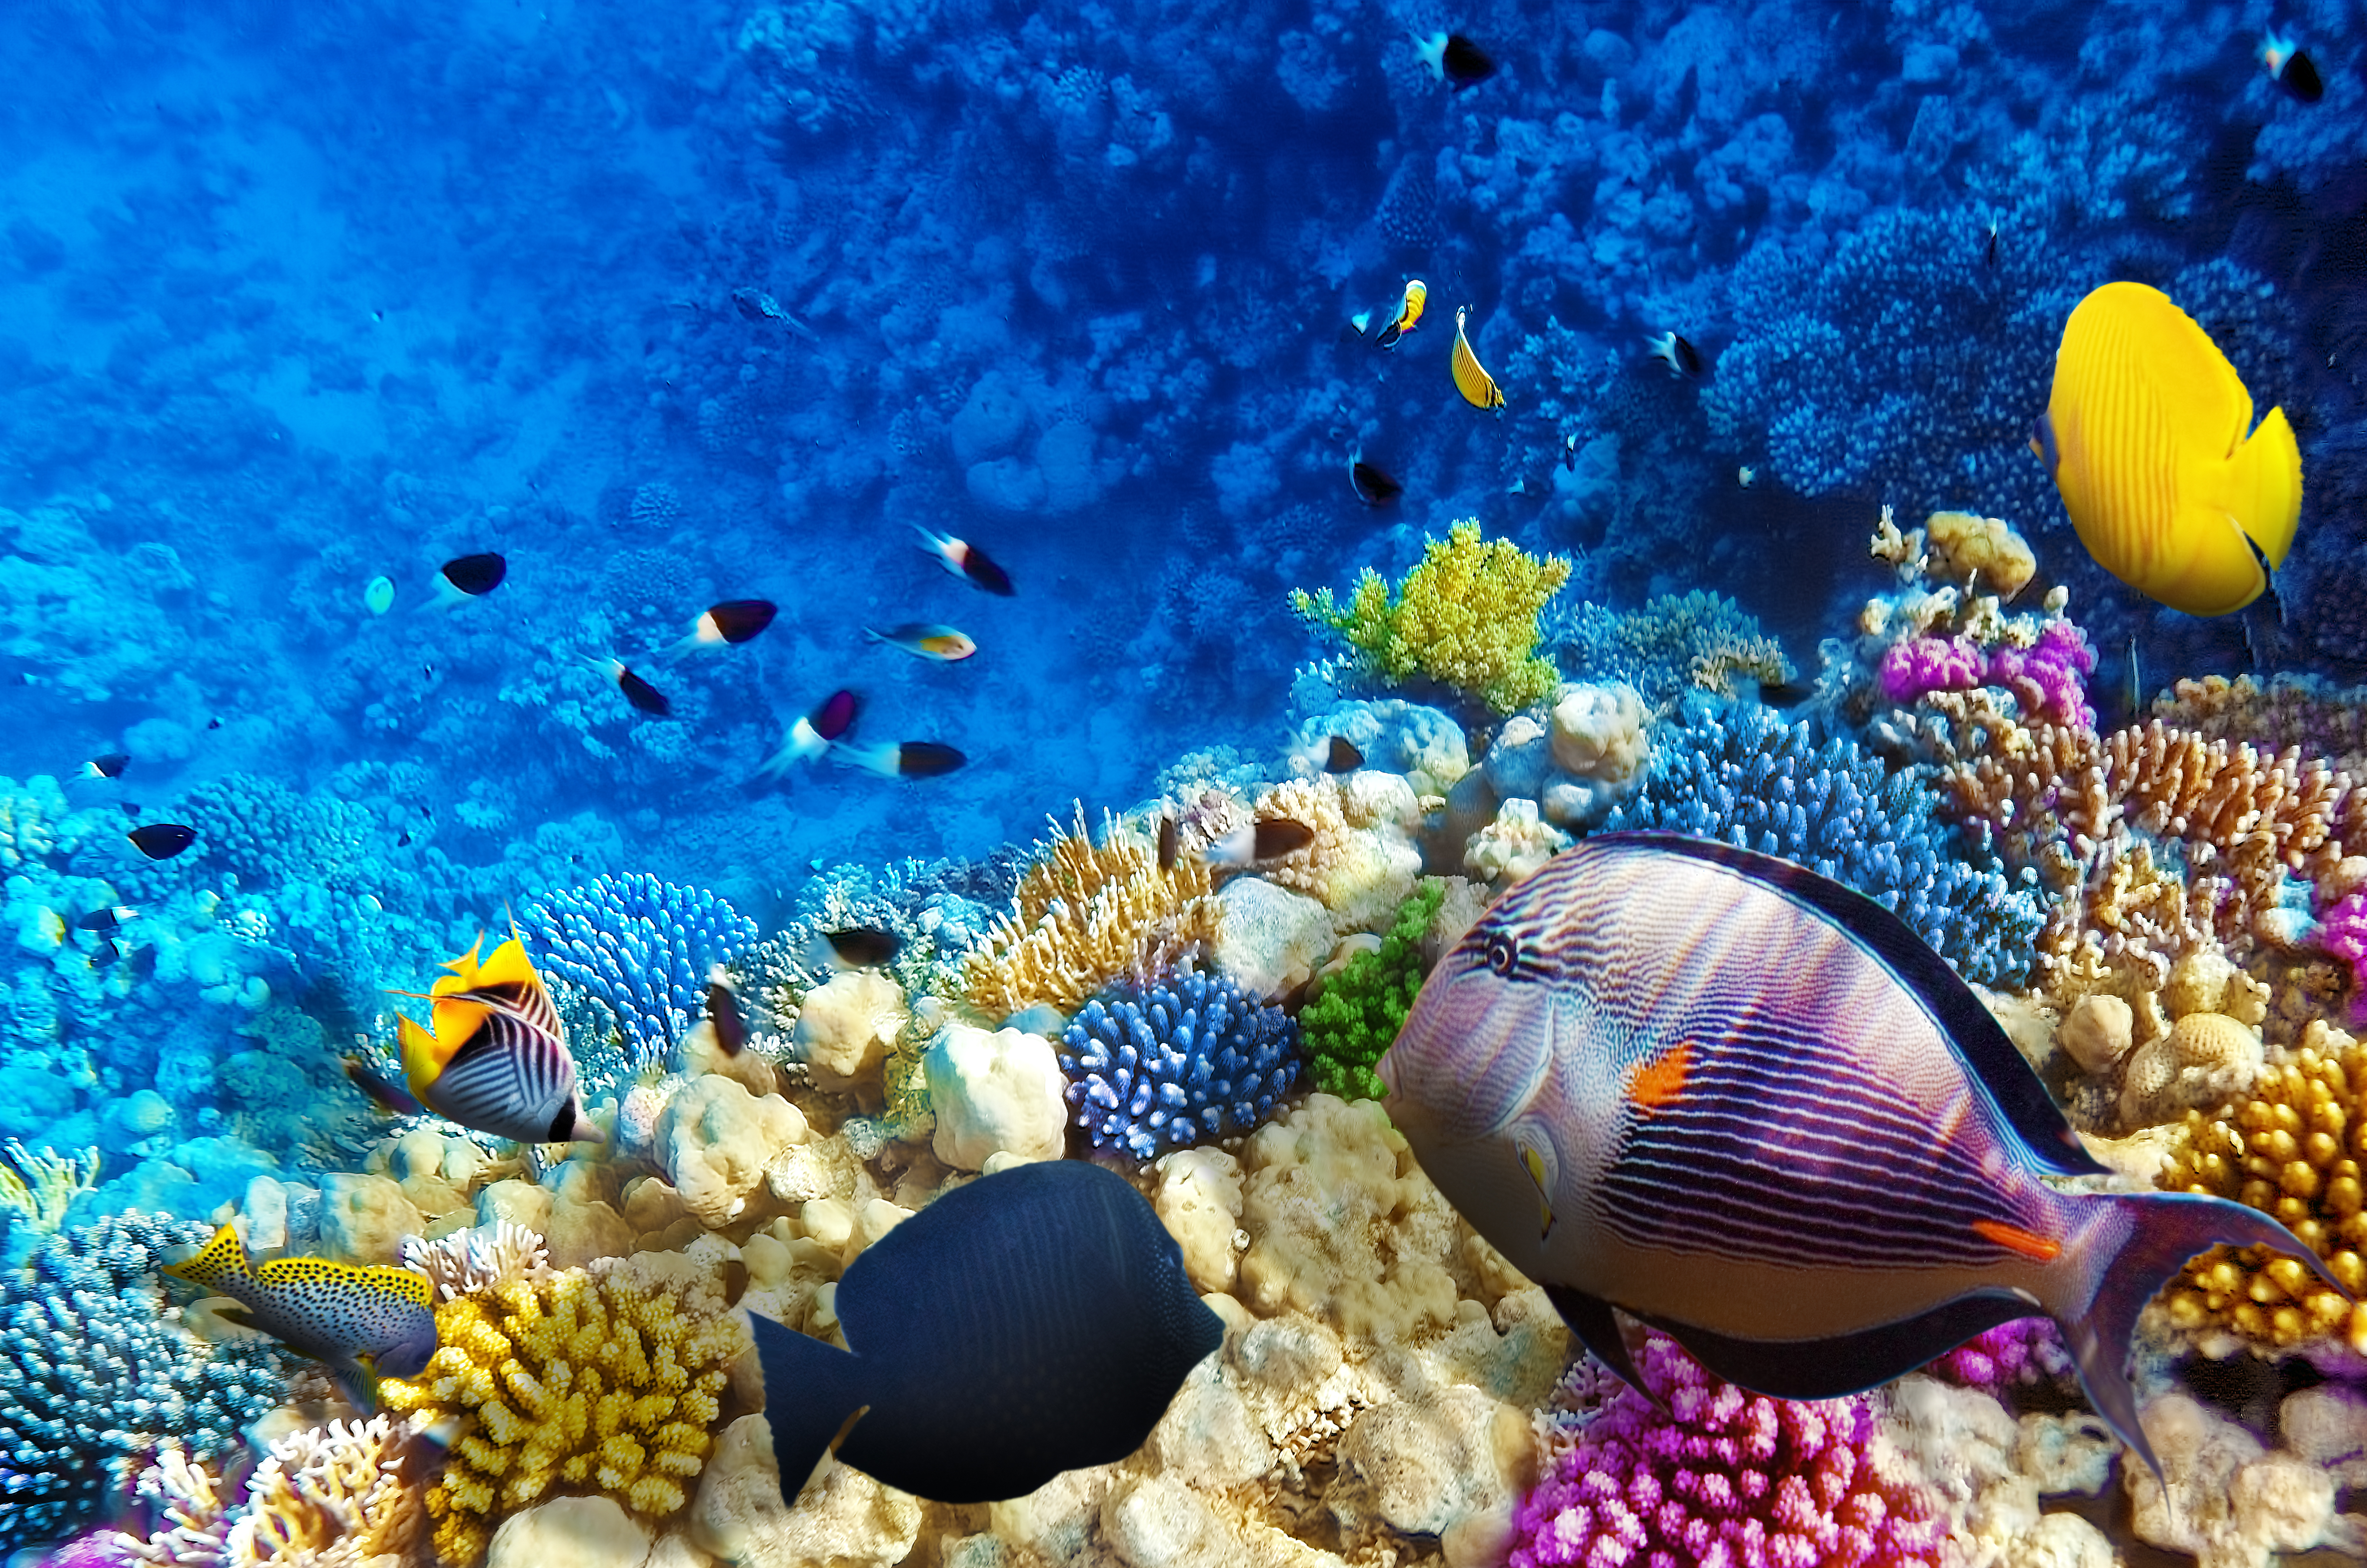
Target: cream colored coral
(715,1140)
(1513,846)
(2098,1031)
(2204,1060)
(838,1517)
(1199,1201)
(327,1497)
(1360,870)
(847,1027)
(1085,914)
(2237,1504)
(1966,548)
(465,1262)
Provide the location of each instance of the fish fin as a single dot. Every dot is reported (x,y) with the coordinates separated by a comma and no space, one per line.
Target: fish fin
(811,1388)
(241,1316)
(423,1055)
(1389,335)
(2134,1251)
(222,1258)
(355,1379)
(1848,1363)
(2262,487)
(1989,1057)
(1589,1317)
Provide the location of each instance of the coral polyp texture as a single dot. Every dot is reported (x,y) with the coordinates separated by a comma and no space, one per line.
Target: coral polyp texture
(343,1495)
(608,1379)
(641,947)
(1465,617)
(1725,1477)
(1163,1066)
(1088,913)
(1351,1023)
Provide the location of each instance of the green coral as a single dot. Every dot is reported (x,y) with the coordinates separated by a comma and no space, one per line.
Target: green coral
(1467,618)
(1347,1028)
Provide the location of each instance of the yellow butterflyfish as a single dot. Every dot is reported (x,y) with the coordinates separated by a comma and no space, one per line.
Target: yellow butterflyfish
(2148,434)
(1478,388)
(493,1055)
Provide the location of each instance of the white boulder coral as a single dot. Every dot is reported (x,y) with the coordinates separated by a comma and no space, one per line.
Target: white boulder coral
(997,1091)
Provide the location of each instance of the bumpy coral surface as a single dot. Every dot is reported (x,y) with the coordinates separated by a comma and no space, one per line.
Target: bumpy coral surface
(1348,1027)
(1465,617)
(640,947)
(607,1380)
(1726,1477)
(1163,1066)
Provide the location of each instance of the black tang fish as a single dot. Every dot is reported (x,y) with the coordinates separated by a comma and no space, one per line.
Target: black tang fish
(1746,1105)
(162,841)
(1023,1323)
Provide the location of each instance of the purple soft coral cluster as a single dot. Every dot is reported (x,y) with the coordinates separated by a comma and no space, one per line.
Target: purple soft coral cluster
(2343,931)
(2027,1350)
(1726,1478)
(2048,678)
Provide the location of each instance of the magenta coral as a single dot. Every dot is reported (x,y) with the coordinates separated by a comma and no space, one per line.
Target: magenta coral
(2343,931)
(2049,678)
(2028,1349)
(1726,1479)
(1921,664)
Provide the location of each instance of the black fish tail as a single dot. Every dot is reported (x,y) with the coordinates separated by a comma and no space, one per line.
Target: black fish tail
(2137,1245)
(811,1388)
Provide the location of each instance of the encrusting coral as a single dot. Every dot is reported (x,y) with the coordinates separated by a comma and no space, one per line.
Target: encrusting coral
(606,1378)
(1086,914)
(1465,617)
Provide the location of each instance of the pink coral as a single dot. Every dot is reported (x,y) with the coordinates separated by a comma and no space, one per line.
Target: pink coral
(1726,1479)
(2028,1349)
(2048,678)
(2343,931)
(1921,664)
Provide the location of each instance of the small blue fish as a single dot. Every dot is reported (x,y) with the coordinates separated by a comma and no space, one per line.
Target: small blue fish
(1748,1106)
(365,1323)
(1023,1323)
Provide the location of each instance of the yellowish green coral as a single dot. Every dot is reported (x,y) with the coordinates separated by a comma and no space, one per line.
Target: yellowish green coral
(607,1380)
(1467,618)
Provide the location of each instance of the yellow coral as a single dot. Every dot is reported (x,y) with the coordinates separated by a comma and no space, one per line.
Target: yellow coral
(1086,914)
(608,1379)
(1467,618)
(2292,1147)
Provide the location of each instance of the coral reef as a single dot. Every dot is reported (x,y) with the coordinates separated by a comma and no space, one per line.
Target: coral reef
(1348,1024)
(1696,642)
(1161,1066)
(1465,618)
(640,949)
(336,1496)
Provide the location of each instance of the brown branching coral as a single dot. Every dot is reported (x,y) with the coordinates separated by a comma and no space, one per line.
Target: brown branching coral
(2290,710)
(335,1496)
(1087,914)
(2292,1147)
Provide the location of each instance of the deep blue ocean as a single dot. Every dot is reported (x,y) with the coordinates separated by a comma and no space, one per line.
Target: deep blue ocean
(671,305)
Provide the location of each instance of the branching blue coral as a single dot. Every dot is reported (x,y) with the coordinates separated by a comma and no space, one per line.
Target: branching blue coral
(1737,773)
(641,947)
(1162,1067)
(93,1374)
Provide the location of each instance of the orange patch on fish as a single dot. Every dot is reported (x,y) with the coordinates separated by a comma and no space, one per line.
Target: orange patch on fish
(1658,1082)
(2013,1238)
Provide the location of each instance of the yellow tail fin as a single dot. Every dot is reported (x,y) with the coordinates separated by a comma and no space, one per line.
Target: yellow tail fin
(223,1257)
(2263,487)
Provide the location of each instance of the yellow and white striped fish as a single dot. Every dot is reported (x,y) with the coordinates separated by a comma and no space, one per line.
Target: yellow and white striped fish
(493,1057)
(365,1322)
(1746,1105)
(1478,388)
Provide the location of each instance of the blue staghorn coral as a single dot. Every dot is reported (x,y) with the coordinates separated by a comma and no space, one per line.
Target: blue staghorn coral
(1173,1063)
(638,947)
(93,1374)
(1738,774)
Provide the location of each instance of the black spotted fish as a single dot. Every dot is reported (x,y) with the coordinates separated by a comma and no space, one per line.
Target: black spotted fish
(365,1322)
(1026,1322)
(1748,1106)
(493,1057)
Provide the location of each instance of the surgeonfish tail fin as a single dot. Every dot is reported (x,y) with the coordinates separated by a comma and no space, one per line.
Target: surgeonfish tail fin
(2138,1244)
(222,1258)
(811,1388)
(2263,487)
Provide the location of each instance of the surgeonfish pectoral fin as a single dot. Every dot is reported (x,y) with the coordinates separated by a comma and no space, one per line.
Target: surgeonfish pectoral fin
(1591,1318)
(2137,1249)
(810,1389)
(2263,487)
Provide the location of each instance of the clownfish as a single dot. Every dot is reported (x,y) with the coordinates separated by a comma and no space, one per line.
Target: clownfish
(813,733)
(364,1323)
(2148,435)
(493,1055)
(966,561)
(1746,1105)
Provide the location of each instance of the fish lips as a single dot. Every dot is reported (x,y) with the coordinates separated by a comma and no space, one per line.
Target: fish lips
(1473,1051)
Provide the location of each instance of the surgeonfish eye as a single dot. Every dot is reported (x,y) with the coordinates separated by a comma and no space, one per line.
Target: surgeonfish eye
(1503,955)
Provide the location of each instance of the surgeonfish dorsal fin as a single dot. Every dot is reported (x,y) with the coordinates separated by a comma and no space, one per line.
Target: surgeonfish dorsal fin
(222,1258)
(1990,1061)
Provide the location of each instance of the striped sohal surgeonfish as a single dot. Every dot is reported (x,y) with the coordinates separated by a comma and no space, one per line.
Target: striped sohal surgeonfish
(1749,1107)
(493,1057)
(364,1322)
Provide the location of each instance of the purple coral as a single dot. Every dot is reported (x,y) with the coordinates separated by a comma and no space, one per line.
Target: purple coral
(2026,1351)
(1726,1479)
(2048,678)
(2343,931)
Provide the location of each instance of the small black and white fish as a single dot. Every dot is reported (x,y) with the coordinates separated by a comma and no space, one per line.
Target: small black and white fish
(637,692)
(1257,842)
(813,734)
(464,578)
(2292,69)
(1341,756)
(1168,841)
(856,947)
(901,760)
(1026,1322)
(723,1012)
(1681,357)
(106,919)
(106,766)
(1569,452)
(966,561)
(163,840)
(1455,60)
(493,1055)
(1373,487)
(727,625)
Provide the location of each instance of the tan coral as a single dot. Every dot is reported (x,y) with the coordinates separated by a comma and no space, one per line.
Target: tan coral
(1086,914)
(2292,1147)
(1361,863)
(2288,711)
(333,1497)
(1966,548)
(2206,1059)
